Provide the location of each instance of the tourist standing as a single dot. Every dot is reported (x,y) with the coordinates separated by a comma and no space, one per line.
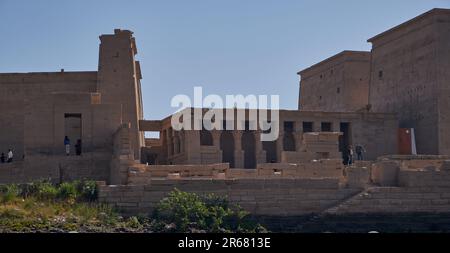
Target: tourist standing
(78,147)
(67,144)
(359,149)
(3,158)
(10,156)
(350,155)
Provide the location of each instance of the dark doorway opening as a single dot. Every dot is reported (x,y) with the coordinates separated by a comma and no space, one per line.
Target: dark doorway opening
(248,145)
(227,147)
(344,140)
(206,138)
(271,151)
(72,129)
(151,159)
(288,137)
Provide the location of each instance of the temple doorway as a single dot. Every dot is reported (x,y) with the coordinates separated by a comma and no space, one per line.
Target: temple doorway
(248,146)
(227,147)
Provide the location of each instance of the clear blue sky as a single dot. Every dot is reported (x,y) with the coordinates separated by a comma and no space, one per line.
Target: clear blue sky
(228,46)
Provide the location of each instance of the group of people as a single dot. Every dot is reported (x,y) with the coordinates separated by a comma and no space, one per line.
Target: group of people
(350,154)
(8,158)
(77,146)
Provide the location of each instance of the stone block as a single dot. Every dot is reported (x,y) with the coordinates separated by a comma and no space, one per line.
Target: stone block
(445,166)
(385,173)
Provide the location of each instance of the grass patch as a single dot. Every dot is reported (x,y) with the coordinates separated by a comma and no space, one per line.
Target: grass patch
(72,206)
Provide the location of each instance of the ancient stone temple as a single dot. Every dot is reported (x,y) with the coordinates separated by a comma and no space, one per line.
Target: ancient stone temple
(42,108)
(377,132)
(353,98)
(406,73)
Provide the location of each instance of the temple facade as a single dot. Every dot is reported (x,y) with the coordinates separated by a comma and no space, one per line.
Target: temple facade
(352,98)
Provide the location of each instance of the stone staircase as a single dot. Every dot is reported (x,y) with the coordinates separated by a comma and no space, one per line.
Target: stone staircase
(388,200)
(333,209)
(346,202)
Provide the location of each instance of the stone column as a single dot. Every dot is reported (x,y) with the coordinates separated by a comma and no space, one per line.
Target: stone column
(280,148)
(192,145)
(298,134)
(317,126)
(259,151)
(176,142)
(169,143)
(336,127)
(216,142)
(238,152)
(182,141)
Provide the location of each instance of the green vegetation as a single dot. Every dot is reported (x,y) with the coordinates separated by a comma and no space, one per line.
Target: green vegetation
(45,207)
(189,212)
(72,206)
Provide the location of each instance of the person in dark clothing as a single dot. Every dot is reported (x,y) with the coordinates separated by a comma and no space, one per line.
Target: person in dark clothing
(3,158)
(345,156)
(78,147)
(359,149)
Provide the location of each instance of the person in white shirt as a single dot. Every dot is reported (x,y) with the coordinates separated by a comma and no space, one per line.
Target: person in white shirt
(67,145)
(10,156)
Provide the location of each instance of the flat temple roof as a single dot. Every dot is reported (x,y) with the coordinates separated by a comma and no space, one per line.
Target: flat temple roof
(405,24)
(332,58)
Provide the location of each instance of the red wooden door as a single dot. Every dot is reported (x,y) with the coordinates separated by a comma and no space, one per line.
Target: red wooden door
(404,141)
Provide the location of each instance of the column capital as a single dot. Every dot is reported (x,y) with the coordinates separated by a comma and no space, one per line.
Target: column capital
(216,133)
(238,133)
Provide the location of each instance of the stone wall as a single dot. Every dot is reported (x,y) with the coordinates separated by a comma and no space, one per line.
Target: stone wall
(387,170)
(138,174)
(29,121)
(123,156)
(43,108)
(403,189)
(337,84)
(11,172)
(326,168)
(428,177)
(408,78)
(416,161)
(142,174)
(281,197)
(92,166)
(443,100)
(38,127)
(314,145)
(296,189)
(357,177)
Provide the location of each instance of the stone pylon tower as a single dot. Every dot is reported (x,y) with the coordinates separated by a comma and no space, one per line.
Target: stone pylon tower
(119,78)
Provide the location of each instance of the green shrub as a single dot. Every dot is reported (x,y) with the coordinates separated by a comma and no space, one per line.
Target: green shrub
(9,192)
(88,190)
(181,208)
(68,190)
(28,190)
(107,214)
(34,189)
(210,213)
(45,191)
(133,222)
